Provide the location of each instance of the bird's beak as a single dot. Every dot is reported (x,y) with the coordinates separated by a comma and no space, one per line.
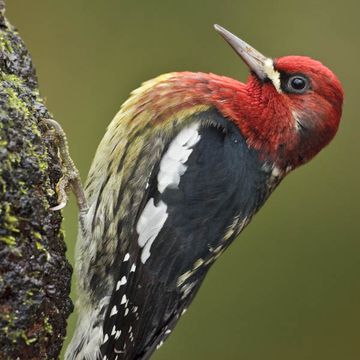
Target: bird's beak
(256,61)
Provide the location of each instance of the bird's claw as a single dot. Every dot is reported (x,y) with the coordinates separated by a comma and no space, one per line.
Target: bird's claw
(71,176)
(61,189)
(59,206)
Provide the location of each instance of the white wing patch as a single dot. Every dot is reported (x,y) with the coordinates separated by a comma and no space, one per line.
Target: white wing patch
(172,164)
(172,167)
(149,225)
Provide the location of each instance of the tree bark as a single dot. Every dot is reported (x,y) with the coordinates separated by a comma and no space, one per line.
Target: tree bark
(34,272)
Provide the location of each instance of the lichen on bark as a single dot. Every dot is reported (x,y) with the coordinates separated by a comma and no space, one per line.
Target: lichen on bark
(34,273)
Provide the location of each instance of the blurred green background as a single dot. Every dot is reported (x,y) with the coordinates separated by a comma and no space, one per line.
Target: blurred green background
(289,287)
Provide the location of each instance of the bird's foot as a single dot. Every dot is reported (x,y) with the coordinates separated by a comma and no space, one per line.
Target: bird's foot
(71,176)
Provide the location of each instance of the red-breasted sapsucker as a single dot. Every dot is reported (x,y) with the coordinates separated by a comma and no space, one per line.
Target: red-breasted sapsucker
(183,167)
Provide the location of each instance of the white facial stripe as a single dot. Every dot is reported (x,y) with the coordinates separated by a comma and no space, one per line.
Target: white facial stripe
(172,164)
(272,74)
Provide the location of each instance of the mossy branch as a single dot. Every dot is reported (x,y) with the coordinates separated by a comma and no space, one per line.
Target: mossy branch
(34,273)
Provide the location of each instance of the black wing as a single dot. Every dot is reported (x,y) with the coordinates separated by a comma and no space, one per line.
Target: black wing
(188,226)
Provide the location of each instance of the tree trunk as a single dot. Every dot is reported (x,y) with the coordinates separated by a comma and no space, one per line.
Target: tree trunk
(34,272)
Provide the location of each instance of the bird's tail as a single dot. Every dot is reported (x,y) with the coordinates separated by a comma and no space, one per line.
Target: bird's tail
(88,337)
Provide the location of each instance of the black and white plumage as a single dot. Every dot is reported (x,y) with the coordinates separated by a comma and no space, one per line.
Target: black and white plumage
(184,223)
(202,191)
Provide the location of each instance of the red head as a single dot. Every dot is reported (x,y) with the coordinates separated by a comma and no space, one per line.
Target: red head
(293,105)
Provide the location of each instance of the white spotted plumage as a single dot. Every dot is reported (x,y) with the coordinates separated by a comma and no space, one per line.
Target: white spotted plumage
(114,311)
(121,282)
(152,219)
(123,300)
(113,331)
(106,338)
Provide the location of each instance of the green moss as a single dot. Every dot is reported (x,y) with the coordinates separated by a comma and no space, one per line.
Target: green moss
(3,186)
(40,247)
(40,156)
(23,188)
(14,158)
(37,235)
(8,240)
(35,129)
(12,79)
(47,326)
(43,165)
(9,317)
(14,336)
(10,221)
(28,341)
(16,103)
(5,44)
(11,85)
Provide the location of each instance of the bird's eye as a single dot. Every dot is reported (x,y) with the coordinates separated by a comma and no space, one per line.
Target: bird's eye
(297,84)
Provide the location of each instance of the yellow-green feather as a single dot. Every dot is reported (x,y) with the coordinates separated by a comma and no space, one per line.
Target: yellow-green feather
(139,155)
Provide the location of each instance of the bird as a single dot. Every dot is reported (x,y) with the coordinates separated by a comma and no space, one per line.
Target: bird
(181,170)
